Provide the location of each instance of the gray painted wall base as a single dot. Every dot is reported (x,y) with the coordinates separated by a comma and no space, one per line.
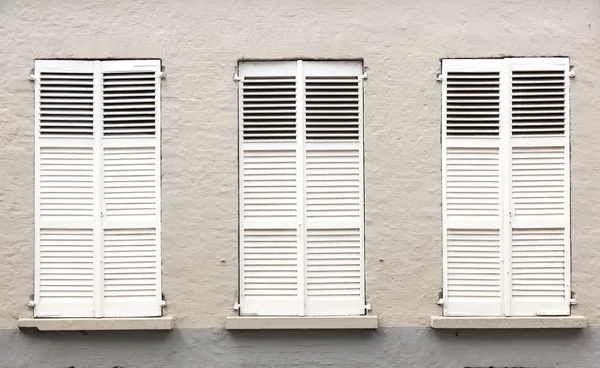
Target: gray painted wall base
(386,347)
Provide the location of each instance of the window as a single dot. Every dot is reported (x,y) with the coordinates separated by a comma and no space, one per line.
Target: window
(505,151)
(97,188)
(301,188)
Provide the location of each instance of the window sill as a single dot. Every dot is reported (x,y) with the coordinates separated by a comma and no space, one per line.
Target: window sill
(301,323)
(96,324)
(439,322)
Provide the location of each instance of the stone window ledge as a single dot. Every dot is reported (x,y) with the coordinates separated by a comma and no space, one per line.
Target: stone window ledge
(439,322)
(301,323)
(96,324)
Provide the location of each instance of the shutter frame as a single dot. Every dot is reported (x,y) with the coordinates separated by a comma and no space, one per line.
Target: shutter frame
(334,227)
(127,225)
(532,291)
(258,296)
(55,234)
(469,296)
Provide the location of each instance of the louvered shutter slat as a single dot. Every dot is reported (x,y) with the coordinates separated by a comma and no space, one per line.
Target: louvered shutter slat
(540,247)
(472,188)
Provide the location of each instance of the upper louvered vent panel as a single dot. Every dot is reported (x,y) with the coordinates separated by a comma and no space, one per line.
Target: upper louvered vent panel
(66,104)
(332,108)
(129,100)
(473,104)
(538,103)
(269,108)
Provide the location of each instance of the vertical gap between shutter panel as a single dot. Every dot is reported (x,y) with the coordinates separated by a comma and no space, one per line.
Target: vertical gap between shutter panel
(505,185)
(302,231)
(98,198)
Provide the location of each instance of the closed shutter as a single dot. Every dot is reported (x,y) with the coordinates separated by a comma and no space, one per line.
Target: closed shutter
(333,188)
(506,187)
(131,188)
(472,188)
(64,189)
(539,150)
(270,205)
(301,215)
(97,173)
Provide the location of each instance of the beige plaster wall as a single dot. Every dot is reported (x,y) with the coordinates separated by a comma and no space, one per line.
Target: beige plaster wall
(200,42)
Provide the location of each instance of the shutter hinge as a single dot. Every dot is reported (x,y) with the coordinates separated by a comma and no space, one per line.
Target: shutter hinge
(572,301)
(571,74)
(237,78)
(32,74)
(440,301)
(163,304)
(31,304)
(440,77)
(364,76)
(162,74)
(236,306)
(368,306)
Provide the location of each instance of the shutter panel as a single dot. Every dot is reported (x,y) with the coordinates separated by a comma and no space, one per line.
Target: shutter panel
(64,189)
(131,260)
(270,209)
(539,144)
(333,188)
(472,189)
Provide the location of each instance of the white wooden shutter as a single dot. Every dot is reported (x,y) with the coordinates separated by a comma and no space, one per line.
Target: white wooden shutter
(270,205)
(333,188)
(97,172)
(539,150)
(131,260)
(64,189)
(472,187)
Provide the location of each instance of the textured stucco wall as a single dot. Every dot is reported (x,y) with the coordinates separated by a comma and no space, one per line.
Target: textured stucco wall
(200,42)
